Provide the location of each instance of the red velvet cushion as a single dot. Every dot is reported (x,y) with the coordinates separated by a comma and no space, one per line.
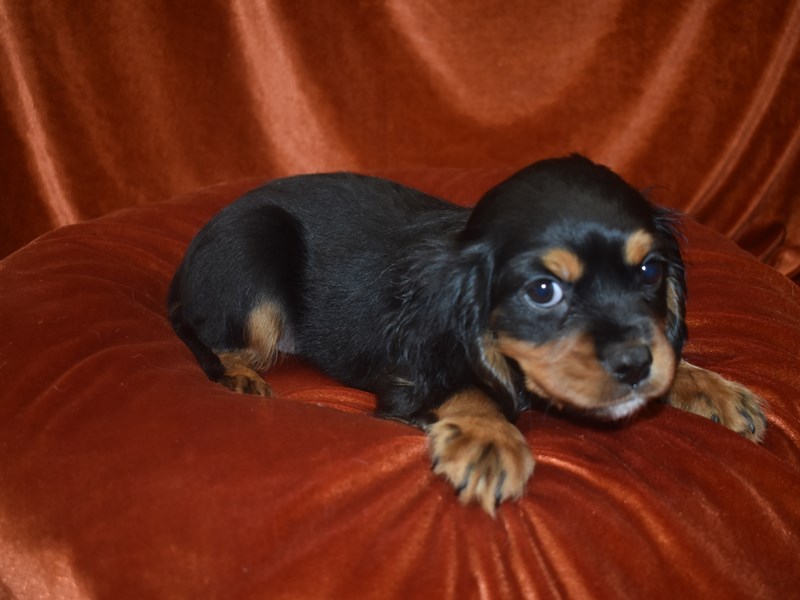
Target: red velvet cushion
(125,473)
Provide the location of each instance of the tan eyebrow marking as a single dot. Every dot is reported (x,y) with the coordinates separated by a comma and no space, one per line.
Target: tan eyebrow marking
(638,245)
(563,263)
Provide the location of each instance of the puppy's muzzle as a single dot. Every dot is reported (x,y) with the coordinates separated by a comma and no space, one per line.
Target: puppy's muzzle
(609,381)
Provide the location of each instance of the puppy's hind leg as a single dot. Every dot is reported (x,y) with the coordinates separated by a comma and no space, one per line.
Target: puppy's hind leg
(236,368)
(265,325)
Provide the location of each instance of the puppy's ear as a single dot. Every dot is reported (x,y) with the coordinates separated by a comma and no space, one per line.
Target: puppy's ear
(667,223)
(490,367)
(445,305)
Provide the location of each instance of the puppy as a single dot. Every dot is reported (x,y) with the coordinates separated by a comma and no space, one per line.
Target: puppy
(563,284)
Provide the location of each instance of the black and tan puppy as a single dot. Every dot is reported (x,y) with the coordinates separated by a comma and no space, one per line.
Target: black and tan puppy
(563,284)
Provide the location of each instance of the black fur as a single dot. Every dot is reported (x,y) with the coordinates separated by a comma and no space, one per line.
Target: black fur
(391,290)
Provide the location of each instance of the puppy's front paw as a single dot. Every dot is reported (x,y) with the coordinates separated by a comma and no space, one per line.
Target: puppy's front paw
(726,402)
(486,459)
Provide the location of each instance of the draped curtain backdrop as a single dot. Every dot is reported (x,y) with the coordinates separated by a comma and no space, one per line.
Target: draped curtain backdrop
(107,104)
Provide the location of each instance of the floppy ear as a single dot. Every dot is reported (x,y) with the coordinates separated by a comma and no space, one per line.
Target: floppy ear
(491,369)
(667,223)
(445,305)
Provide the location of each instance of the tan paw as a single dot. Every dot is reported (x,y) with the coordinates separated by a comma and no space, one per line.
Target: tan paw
(487,460)
(245,381)
(726,402)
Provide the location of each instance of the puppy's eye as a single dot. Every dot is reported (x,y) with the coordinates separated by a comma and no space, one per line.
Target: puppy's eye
(544,293)
(652,271)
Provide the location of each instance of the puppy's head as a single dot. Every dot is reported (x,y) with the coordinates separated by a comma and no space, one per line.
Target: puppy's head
(586,288)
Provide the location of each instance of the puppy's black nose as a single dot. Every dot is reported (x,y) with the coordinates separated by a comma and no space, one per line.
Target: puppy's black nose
(629,363)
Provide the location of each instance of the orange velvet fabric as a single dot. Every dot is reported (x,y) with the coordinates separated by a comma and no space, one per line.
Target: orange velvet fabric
(109,103)
(125,473)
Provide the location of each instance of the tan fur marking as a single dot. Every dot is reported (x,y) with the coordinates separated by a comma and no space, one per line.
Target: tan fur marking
(568,372)
(709,395)
(264,328)
(495,360)
(472,402)
(673,299)
(472,445)
(638,246)
(563,263)
(565,371)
